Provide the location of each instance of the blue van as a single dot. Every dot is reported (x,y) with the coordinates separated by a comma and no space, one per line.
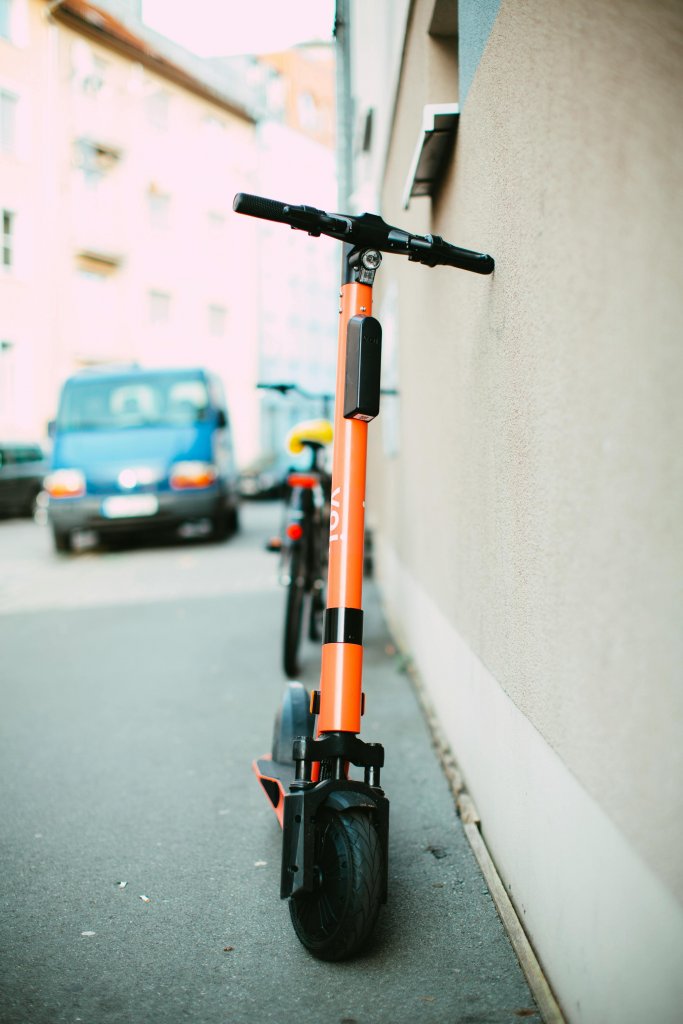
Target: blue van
(141,449)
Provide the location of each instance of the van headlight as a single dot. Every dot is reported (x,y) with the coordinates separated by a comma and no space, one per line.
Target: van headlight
(188,475)
(65,483)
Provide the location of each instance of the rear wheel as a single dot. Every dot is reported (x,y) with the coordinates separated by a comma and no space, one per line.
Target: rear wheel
(294,614)
(233,520)
(335,921)
(293,719)
(32,505)
(317,615)
(225,523)
(220,528)
(62,539)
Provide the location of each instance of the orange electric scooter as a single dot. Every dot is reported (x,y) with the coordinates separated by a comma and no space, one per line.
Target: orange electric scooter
(335,827)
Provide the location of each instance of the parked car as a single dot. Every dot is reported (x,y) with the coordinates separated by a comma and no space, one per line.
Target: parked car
(141,450)
(265,477)
(22,469)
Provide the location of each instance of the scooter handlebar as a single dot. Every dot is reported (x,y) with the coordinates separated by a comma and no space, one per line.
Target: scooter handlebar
(367,231)
(444,254)
(258,206)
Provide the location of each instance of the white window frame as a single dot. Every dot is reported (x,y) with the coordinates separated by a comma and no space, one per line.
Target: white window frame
(9,102)
(159,307)
(6,8)
(16,24)
(8,240)
(157,109)
(159,208)
(218,320)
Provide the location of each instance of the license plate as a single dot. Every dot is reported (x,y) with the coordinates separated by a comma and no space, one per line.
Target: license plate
(126,506)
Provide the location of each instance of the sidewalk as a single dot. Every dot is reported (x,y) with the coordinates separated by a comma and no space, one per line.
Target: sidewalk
(440,913)
(129,762)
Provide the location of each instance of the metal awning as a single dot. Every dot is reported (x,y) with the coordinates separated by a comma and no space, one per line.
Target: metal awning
(439,124)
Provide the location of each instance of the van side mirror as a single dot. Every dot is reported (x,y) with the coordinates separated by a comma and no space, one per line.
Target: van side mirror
(221,419)
(51,428)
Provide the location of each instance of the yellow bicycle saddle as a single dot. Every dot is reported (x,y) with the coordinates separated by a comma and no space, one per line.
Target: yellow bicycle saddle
(308,432)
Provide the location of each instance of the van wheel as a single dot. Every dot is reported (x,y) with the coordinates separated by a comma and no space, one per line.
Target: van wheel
(62,539)
(233,520)
(220,526)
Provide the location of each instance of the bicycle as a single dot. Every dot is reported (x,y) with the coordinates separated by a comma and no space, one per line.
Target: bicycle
(302,546)
(335,828)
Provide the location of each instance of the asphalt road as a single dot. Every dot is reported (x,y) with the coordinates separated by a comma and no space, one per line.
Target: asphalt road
(139,859)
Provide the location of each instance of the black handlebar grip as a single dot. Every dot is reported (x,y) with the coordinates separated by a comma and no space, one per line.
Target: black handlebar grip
(434,252)
(465,259)
(257,206)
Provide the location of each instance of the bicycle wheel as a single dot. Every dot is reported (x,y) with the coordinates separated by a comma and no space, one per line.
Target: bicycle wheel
(316,617)
(294,615)
(335,921)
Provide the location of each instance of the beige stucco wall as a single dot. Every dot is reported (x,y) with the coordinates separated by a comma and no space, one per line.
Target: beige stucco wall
(537,494)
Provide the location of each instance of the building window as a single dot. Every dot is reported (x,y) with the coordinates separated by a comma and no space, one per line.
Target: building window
(307,110)
(8,121)
(95,160)
(159,206)
(93,83)
(217,320)
(8,390)
(88,71)
(5,19)
(14,25)
(157,105)
(8,239)
(92,266)
(159,307)
(366,134)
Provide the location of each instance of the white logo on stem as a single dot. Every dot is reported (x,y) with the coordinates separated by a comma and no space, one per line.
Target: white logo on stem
(335,515)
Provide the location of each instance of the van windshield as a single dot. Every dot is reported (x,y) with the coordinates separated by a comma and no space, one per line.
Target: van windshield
(144,401)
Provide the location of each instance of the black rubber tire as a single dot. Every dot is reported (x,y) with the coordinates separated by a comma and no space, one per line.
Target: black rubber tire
(234,520)
(294,613)
(293,719)
(316,616)
(31,506)
(220,527)
(335,921)
(62,539)
(225,523)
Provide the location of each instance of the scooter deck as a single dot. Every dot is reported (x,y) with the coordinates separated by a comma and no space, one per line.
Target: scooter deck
(275,778)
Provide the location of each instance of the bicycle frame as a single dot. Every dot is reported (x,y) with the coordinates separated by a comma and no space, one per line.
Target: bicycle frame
(303,556)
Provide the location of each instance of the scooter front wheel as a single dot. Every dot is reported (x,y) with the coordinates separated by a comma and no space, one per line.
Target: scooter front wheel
(335,921)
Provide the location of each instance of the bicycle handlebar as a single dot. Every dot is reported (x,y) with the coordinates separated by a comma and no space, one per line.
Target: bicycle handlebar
(367,231)
(285,389)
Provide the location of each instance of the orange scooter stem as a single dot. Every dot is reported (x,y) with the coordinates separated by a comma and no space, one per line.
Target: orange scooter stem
(342,660)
